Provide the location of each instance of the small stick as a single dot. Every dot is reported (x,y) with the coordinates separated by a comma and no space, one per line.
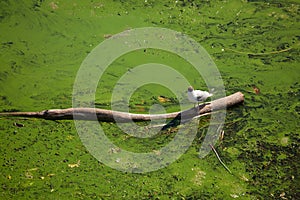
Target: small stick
(214,150)
(261,54)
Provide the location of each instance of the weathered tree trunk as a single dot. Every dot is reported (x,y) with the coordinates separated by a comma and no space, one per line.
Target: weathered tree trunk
(111,116)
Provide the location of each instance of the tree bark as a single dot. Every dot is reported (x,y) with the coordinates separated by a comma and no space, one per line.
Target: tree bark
(112,116)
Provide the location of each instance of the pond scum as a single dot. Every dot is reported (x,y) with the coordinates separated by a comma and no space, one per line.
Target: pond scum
(255,45)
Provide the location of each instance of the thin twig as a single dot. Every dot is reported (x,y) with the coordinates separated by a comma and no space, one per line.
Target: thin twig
(265,53)
(214,150)
(260,54)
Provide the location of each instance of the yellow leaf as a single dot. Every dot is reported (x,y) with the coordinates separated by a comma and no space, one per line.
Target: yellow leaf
(74,165)
(162,99)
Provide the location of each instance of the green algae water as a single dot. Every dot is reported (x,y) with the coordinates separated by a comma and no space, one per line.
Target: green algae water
(255,45)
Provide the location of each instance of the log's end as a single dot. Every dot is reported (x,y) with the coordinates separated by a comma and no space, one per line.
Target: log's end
(226,102)
(237,97)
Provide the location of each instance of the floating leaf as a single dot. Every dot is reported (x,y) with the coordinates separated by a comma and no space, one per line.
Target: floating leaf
(74,165)
(256,89)
(163,99)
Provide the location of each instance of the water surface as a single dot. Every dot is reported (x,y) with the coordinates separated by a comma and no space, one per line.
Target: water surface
(255,45)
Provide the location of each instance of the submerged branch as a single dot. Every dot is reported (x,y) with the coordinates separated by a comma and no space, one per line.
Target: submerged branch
(215,151)
(112,116)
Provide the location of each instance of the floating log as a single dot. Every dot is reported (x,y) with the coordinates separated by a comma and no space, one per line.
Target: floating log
(112,116)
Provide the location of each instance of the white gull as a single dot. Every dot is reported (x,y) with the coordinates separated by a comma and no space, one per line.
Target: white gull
(197,96)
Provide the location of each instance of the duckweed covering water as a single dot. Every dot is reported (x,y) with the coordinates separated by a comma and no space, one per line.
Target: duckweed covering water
(255,45)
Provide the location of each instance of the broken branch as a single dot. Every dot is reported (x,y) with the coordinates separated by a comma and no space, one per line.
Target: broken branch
(112,116)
